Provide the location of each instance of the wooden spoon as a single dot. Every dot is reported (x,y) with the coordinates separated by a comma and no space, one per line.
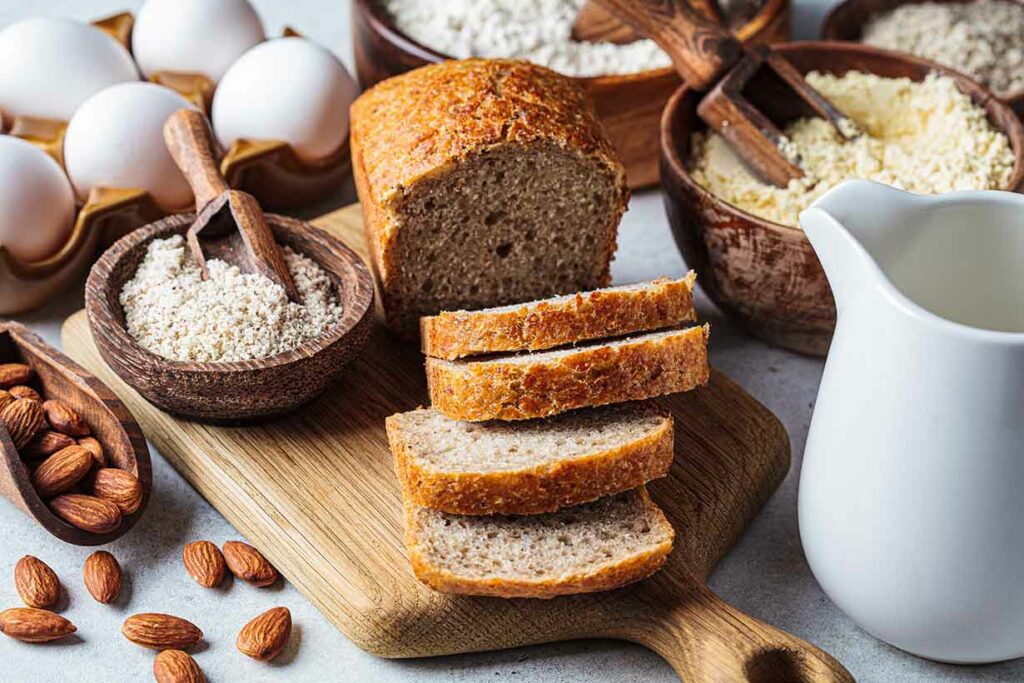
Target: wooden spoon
(231,221)
(749,89)
(595,24)
(109,420)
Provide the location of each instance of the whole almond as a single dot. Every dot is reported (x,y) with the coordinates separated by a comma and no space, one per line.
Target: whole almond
(22,420)
(13,374)
(94,447)
(248,564)
(204,562)
(32,625)
(87,512)
(65,420)
(62,470)
(21,391)
(5,398)
(36,583)
(46,442)
(119,487)
(161,631)
(264,637)
(175,666)
(102,576)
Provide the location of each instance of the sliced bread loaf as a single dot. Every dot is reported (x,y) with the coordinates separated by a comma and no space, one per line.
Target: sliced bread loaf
(559,321)
(525,468)
(591,547)
(551,382)
(483,182)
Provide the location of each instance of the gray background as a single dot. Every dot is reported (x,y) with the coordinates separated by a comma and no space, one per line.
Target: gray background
(765,575)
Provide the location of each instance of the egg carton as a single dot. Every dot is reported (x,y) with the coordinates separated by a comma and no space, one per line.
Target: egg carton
(268,169)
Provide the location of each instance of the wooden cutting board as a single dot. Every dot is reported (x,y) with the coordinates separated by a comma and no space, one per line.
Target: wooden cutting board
(317,494)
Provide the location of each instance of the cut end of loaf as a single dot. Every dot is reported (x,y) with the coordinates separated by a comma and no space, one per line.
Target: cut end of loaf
(592,547)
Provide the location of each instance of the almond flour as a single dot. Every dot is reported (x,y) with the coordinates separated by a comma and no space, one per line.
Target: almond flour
(983,39)
(170,310)
(925,137)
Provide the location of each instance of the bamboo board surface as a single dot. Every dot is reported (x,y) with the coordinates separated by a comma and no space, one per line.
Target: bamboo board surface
(316,492)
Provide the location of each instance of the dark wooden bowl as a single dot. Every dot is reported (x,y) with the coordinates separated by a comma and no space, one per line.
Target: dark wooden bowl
(764,273)
(846,21)
(629,106)
(108,418)
(244,390)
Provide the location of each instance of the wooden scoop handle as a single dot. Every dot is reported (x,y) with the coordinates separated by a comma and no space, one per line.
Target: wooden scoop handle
(595,24)
(190,142)
(709,641)
(701,50)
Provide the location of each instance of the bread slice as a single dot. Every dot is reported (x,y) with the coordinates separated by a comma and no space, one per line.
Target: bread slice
(483,182)
(591,547)
(559,321)
(551,382)
(525,468)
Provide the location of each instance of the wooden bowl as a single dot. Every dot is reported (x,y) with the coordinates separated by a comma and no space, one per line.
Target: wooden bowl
(629,106)
(764,273)
(846,21)
(232,391)
(109,419)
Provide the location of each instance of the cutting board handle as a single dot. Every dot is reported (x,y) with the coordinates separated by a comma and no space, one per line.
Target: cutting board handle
(706,640)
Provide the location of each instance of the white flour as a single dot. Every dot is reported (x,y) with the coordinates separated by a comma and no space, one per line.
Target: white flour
(536,30)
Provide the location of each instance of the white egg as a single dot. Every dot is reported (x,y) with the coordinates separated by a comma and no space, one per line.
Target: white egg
(194,36)
(37,206)
(115,140)
(286,89)
(50,66)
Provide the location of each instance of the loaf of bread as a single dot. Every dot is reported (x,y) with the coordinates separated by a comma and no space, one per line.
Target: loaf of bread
(597,546)
(546,383)
(525,468)
(560,321)
(483,183)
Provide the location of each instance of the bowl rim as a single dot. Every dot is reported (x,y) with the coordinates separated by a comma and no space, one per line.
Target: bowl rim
(837,13)
(677,166)
(360,302)
(383,25)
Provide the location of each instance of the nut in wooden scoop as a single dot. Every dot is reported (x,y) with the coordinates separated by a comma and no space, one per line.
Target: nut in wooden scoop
(231,222)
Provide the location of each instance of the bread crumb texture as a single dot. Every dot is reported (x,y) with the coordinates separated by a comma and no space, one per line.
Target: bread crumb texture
(233,316)
(983,39)
(925,137)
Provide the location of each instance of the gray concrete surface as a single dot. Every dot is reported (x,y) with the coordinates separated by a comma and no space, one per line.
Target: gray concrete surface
(765,575)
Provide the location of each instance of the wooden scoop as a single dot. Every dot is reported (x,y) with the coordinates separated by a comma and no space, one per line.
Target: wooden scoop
(595,24)
(232,222)
(751,90)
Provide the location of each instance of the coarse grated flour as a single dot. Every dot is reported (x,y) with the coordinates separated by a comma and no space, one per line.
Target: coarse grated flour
(983,39)
(539,31)
(170,310)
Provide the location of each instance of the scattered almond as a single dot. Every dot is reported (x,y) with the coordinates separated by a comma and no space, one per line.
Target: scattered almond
(21,391)
(161,631)
(264,637)
(102,576)
(119,487)
(204,562)
(87,512)
(5,398)
(13,374)
(94,447)
(32,625)
(46,442)
(248,564)
(175,666)
(65,420)
(36,583)
(22,420)
(62,470)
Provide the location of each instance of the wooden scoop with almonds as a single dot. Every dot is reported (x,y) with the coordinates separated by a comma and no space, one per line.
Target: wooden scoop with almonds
(750,91)
(231,221)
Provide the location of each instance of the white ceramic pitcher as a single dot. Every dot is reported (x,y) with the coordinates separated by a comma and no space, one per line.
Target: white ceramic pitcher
(911,502)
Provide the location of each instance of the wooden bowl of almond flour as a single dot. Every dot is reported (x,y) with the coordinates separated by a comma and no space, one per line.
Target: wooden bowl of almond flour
(233,390)
(628,105)
(847,21)
(765,273)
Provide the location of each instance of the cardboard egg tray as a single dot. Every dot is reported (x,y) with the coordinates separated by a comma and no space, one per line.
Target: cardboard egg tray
(270,170)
